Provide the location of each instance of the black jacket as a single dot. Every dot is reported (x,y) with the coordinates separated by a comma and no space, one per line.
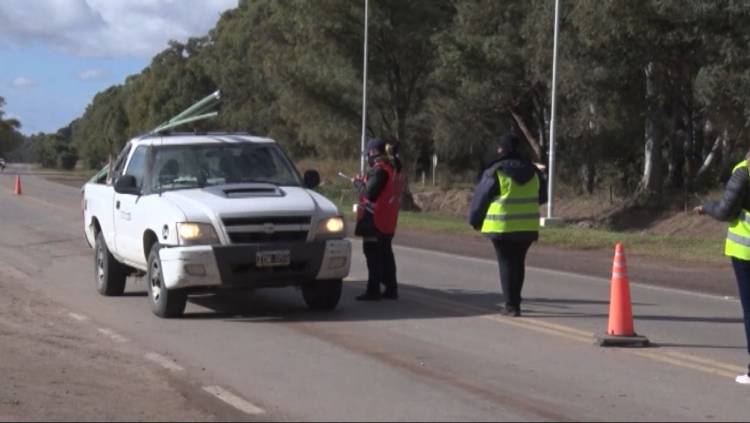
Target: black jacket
(734,200)
(488,189)
(377,178)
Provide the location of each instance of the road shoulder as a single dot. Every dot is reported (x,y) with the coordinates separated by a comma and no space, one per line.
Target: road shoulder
(59,365)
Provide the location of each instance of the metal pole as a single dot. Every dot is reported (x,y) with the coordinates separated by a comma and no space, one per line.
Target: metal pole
(551,184)
(364,94)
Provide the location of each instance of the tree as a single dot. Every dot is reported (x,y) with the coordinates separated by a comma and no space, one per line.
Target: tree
(486,83)
(10,138)
(315,64)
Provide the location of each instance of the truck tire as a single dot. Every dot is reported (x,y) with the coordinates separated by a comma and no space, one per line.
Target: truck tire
(110,274)
(165,303)
(322,295)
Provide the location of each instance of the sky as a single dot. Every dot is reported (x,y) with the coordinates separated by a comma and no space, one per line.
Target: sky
(55,55)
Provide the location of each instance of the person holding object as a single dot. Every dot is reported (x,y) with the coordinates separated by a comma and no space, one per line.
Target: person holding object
(505,208)
(734,208)
(377,217)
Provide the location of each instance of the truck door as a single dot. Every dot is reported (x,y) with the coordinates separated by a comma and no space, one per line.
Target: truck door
(128,228)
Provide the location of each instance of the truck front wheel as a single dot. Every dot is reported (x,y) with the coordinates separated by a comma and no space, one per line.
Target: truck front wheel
(322,295)
(111,275)
(164,303)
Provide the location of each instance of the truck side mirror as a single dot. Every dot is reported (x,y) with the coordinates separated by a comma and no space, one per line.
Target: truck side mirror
(126,184)
(312,179)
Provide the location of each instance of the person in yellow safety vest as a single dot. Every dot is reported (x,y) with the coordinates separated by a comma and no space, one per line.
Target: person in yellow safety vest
(505,208)
(734,208)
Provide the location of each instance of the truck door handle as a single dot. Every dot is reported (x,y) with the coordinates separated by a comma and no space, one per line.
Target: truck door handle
(117,205)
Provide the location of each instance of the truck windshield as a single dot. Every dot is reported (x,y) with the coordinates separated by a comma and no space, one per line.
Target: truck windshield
(194,166)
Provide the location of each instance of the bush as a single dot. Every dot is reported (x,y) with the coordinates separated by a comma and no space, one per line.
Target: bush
(67,160)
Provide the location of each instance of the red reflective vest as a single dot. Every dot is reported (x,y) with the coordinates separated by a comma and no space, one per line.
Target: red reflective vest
(385,209)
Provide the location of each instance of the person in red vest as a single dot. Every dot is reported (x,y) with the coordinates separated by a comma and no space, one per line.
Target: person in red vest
(377,217)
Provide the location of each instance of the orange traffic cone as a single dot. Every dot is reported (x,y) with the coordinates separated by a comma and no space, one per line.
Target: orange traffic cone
(18,190)
(620,331)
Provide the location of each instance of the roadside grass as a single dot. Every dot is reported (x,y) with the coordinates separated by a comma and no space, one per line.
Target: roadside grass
(568,237)
(571,237)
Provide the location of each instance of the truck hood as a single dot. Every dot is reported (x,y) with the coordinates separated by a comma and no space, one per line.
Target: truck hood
(248,200)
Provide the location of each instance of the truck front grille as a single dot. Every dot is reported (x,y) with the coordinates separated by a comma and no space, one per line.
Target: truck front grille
(272,229)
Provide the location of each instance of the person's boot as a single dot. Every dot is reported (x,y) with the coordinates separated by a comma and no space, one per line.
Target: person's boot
(511,311)
(390,294)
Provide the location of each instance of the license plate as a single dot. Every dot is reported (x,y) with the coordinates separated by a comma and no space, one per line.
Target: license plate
(273,258)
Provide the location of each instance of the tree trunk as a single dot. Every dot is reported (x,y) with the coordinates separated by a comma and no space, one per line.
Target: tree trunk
(528,134)
(588,174)
(675,173)
(727,161)
(721,140)
(540,119)
(651,182)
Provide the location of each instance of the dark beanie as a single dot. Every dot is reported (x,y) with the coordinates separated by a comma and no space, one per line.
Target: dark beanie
(509,143)
(376,144)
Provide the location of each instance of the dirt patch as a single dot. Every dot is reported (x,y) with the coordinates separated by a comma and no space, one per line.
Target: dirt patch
(586,211)
(56,369)
(448,203)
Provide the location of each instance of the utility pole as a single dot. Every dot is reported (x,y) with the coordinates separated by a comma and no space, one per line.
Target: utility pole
(550,220)
(364,95)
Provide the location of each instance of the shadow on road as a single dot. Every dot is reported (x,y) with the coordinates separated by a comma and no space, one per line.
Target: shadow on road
(288,306)
(415,303)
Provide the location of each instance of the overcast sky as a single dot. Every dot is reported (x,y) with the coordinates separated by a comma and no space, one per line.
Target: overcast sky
(55,55)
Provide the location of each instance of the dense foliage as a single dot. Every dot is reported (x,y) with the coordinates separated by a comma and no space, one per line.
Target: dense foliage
(653,94)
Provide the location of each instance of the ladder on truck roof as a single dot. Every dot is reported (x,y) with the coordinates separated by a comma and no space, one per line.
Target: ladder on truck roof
(196,112)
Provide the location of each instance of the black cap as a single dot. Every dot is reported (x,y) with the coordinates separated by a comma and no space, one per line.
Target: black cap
(376,144)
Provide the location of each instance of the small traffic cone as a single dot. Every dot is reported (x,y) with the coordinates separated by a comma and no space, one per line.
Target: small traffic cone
(18,190)
(620,331)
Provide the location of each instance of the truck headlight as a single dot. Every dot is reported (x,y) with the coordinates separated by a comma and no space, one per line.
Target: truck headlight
(197,234)
(331,226)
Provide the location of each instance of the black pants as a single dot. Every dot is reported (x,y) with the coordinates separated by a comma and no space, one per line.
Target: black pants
(511,257)
(381,265)
(742,272)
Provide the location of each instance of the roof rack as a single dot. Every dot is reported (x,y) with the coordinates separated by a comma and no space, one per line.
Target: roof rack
(196,112)
(209,133)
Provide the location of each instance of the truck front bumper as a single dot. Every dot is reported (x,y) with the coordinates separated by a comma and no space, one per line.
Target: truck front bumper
(235,265)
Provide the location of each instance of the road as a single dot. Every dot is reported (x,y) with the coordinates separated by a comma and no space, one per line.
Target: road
(440,353)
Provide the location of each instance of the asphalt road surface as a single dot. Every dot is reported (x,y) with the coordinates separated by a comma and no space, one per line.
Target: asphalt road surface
(440,353)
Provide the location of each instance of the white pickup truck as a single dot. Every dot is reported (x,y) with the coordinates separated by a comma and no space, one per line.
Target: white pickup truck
(198,213)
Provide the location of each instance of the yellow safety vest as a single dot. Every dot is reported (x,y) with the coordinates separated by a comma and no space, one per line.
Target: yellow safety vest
(738,236)
(516,209)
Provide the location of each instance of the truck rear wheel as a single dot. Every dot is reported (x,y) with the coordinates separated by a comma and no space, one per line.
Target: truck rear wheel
(164,302)
(322,295)
(110,274)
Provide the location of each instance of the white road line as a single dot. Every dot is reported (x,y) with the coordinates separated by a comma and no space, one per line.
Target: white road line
(233,400)
(164,362)
(113,335)
(78,317)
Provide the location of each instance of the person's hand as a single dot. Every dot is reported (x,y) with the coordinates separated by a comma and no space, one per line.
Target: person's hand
(540,166)
(699,210)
